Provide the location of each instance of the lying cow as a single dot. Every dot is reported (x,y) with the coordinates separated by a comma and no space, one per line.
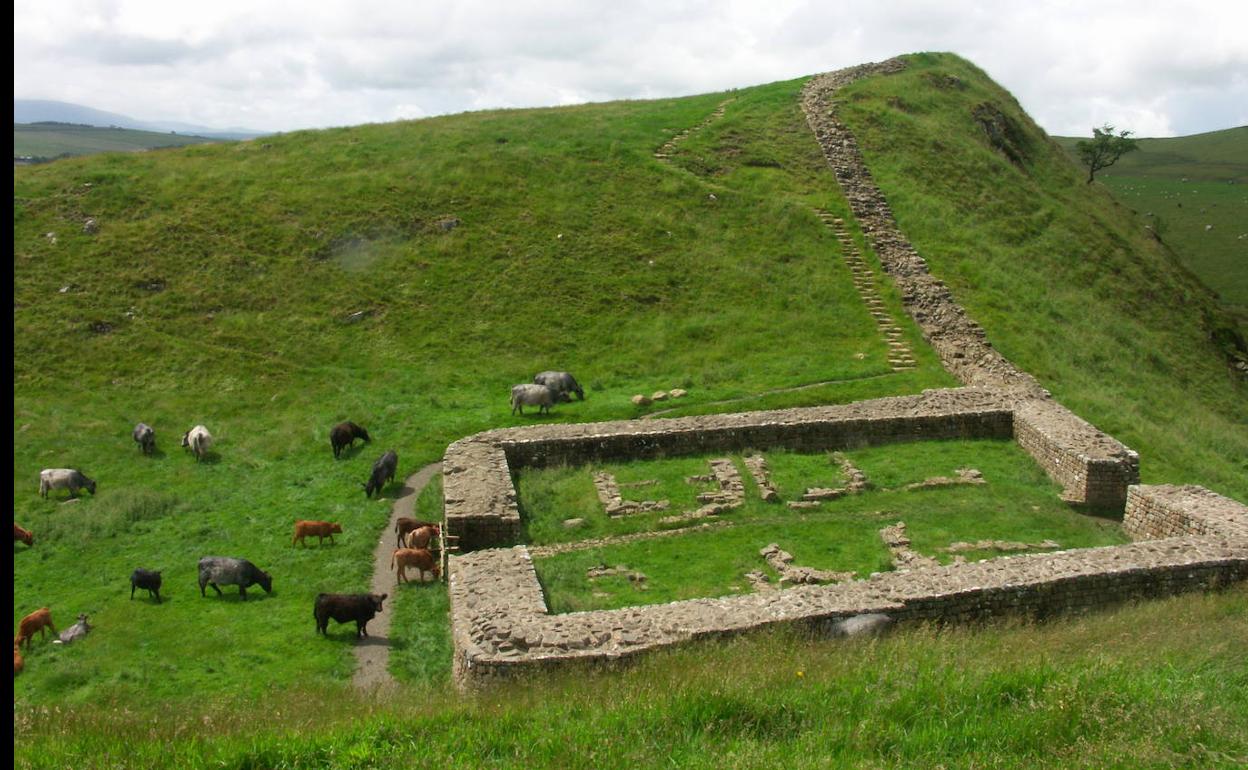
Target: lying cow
(347,607)
(145,437)
(317,529)
(383,472)
(24,535)
(198,440)
(344,435)
(64,478)
(530,394)
(404,524)
(146,579)
(217,571)
(562,383)
(421,537)
(418,558)
(74,632)
(39,620)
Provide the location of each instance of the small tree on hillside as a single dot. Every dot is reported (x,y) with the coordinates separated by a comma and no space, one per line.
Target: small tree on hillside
(1104,149)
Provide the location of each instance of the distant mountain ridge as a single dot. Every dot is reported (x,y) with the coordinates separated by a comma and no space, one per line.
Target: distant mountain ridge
(40,110)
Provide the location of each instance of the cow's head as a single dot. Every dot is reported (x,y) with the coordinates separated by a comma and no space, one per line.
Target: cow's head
(266,581)
(377,600)
(90,485)
(337,528)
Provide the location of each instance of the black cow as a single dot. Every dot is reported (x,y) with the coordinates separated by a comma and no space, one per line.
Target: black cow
(344,434)
(383,472)
(142,578)
(346,607)
(231,572)
(562,383)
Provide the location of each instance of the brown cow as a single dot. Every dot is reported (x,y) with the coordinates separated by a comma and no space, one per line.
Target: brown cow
(421,538)
(39,620)
(420,558)
(25,535)
(403,525)
(318,529)
(18,663)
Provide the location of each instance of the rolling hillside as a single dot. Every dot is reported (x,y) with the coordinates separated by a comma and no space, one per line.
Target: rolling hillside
(405,275)
(1193,191)
(45,141)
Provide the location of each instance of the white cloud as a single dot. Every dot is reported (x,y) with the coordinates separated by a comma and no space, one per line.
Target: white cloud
(1155,67)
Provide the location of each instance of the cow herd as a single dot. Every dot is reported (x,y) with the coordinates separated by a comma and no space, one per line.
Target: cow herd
(416,541)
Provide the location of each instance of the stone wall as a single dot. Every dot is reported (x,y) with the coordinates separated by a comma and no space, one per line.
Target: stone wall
(1166,510)
(502,629)
(1092,468)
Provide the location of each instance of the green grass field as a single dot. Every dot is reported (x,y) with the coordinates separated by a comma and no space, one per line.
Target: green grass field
(52,140)
(1193,191)
(269,290)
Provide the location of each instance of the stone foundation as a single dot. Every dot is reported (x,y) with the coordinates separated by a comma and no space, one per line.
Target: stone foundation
(1166,510)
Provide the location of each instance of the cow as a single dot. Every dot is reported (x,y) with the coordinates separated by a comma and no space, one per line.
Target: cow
(421,538)
(318,529)
(419,558)
(147,579)
(198,440)
(346,607)
(404,524)
(530,394)
(344,434)
(18,663)
(383,472)
(25,535)
(39,620)
(145,437)
(64,478)
(562,383)
(223,570)
(74,632)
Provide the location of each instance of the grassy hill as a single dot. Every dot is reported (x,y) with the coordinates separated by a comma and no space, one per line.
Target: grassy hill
(54,140)
(1193,190)
(405,275)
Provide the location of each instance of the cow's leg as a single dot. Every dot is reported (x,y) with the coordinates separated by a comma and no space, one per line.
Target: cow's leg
(132,587)
(157,592)
(216,588)
(242,591)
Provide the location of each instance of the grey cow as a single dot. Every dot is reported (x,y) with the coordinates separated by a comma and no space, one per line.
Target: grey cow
(145,437)
(530,394)
(64,478)
(75,632)
(562,383)
(217,571)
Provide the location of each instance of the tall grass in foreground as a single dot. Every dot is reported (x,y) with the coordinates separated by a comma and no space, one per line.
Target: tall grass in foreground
(1160,684)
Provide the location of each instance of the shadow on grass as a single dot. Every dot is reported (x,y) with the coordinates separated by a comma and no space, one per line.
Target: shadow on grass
(1109,513)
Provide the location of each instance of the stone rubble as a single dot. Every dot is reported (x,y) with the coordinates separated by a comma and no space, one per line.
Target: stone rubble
(904,557)
(781,562)
(757,466)
(964,476)
(609,494)
(999,545)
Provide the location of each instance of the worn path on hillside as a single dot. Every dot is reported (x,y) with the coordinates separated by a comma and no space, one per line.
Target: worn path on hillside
(372,655)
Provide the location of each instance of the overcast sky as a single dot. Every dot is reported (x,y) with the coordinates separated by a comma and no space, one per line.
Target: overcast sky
(1158,67)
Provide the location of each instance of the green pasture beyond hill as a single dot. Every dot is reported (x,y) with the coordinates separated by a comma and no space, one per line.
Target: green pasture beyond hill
(1193,190)
(405,275)
(51,140)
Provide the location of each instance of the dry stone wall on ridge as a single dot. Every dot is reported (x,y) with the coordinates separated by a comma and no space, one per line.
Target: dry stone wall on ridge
(1190,538)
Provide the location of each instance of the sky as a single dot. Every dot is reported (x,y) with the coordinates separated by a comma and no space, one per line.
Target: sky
(1155,67)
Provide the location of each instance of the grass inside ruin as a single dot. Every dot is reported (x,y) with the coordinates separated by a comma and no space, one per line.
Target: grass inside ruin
(1017,504)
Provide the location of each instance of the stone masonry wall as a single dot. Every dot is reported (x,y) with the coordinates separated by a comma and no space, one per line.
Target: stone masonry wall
(1093,468)
(1166,510)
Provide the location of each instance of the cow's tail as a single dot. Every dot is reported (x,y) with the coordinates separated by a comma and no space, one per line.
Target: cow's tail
(316,604)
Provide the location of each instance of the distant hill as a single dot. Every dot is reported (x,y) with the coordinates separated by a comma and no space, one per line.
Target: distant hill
(1194,192)
(39,142)
(40,110)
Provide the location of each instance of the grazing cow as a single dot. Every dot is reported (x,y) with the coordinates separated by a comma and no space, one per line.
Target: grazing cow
(347,607)
(39,620)
(562,383)
(383,472)
(404,524)
(223,570)
(143,578)
(530,394)
(421,538)
(145,437)
(344,434)
(18,663)
(64,478)
(25,535)
(74,632)
(318,529)
(419,558)
(198,440)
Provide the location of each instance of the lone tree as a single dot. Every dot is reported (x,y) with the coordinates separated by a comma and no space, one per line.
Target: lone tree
(1104,149)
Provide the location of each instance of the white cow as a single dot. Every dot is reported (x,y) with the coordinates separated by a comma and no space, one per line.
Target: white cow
(64,478)
(198,440)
